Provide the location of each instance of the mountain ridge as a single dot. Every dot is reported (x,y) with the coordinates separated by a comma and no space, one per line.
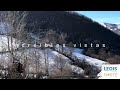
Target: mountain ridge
(78,27)
(113,27)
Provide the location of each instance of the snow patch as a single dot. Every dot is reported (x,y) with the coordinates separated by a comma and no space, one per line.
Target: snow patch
(4,43)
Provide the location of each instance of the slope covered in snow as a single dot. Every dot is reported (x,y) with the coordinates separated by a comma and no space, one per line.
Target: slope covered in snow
(92,61)
(113,27)
(77,54)
(38,55)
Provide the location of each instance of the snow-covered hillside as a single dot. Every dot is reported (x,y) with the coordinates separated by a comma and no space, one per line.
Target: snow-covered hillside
(113,27)
(92,61)
(78,53)
(38,55)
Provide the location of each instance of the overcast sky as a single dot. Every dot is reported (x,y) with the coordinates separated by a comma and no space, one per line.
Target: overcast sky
(103,16)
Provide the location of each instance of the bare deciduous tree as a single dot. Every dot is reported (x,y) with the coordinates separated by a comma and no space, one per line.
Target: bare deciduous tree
(62,40)
(14,22)
(61,67)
